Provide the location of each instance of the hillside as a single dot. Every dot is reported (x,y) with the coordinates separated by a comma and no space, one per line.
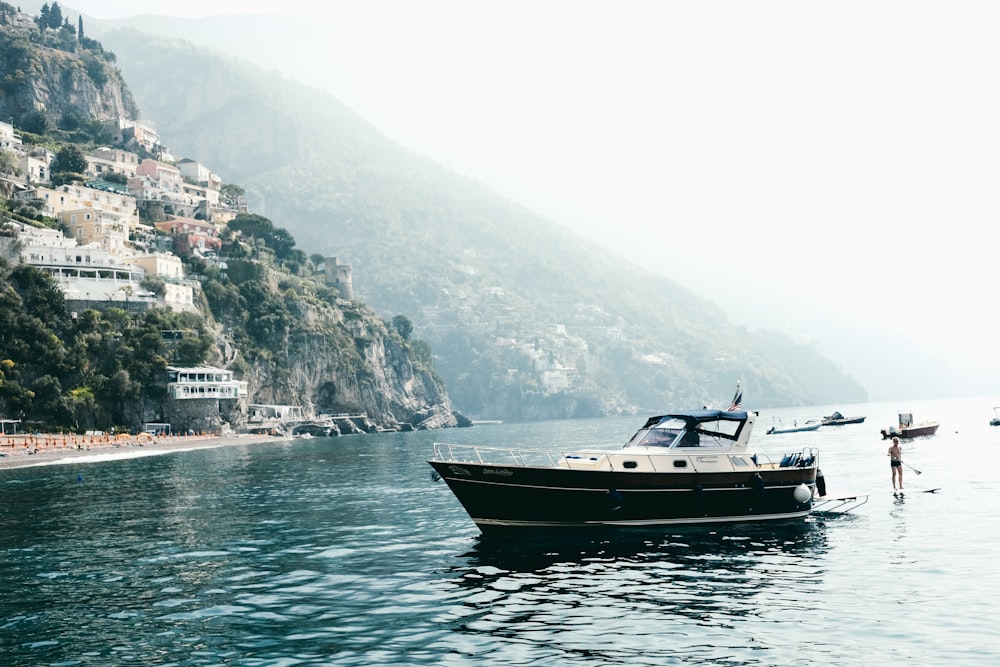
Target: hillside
(89,335)
(53,81)
(525,319)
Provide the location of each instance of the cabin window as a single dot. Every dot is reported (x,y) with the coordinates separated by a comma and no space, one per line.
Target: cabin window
(657,437)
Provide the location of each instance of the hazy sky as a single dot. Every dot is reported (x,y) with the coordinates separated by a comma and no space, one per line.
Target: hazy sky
(838,151)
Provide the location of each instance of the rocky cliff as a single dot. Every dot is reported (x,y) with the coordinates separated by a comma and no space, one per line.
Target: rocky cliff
(51,72)
(377,375)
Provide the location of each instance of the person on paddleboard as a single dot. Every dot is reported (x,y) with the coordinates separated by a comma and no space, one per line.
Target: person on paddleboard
(896,463)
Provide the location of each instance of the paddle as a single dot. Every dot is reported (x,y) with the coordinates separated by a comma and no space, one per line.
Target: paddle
(911,468)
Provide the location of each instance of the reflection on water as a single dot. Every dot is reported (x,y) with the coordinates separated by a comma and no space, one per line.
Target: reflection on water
(633,597)
(694,547)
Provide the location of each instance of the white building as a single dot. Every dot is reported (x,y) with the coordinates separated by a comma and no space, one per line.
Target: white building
(84,273)
(203,382)
(165,264)
(178,293)
(36,166)
(8,140)
(198,173)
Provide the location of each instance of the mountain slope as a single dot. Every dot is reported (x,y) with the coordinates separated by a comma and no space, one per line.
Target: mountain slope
(526,319)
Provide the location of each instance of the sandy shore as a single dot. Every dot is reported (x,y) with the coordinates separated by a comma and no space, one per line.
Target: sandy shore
(46,449)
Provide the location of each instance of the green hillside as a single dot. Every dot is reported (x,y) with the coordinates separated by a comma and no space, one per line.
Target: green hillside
(525,319)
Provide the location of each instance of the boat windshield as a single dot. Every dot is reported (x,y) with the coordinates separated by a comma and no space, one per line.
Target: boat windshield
(675,432)
(661,435)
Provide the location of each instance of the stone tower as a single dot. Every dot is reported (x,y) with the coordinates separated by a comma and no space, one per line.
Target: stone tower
(339,275)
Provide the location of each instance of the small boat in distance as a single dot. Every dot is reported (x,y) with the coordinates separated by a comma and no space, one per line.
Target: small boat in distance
(811,425)
(908,429)
(837,419)
(688,467)
(996,417)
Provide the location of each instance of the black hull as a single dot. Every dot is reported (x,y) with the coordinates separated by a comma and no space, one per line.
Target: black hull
(511,496)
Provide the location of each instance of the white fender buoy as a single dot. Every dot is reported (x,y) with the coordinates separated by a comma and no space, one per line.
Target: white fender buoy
(802,493)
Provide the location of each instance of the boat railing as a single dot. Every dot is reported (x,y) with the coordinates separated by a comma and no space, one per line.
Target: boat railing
(599,459)
(485,455)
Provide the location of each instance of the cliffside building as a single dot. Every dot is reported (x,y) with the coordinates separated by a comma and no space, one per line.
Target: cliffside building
(166,176)
(189,234)
(138,133)
(85,274)
(103,161)
(104,229)
(8,140)
(178,292)
(201,394)
(203,382)
(198,173)
(71,197)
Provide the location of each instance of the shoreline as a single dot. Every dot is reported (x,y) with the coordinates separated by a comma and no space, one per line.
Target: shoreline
(22,451)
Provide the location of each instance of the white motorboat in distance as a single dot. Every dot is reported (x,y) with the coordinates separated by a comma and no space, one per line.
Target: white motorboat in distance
(907,429)
(811,425)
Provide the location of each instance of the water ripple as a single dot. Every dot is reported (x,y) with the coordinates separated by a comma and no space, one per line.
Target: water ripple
(343,553)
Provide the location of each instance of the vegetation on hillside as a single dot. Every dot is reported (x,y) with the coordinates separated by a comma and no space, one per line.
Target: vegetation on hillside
(50,47)
(107,366)
(97,368)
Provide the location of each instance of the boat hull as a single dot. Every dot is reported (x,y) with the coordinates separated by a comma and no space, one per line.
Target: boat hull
(910,432)
(919,431)
(514,496)
(794,429)
(844,421)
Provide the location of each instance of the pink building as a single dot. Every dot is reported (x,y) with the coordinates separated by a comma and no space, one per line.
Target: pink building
(166,177)
(189,234)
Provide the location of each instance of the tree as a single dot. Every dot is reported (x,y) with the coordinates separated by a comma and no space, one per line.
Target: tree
(55,19)
(154,283)
(9,163)
(403,326)
(277,239)
(36,122)
(232,192)
(70,158)
(50,17)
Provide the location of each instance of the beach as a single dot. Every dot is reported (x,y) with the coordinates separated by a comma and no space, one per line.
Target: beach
(17,451)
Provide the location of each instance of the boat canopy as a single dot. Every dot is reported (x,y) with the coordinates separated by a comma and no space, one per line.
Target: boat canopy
(686,429)
(696,416)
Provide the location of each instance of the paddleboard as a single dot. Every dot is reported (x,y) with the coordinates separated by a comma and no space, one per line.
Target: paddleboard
(900,492)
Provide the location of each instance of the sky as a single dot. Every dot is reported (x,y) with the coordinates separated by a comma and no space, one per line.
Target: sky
(844,155)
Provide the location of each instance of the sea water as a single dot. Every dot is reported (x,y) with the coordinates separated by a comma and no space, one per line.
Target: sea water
(344,551)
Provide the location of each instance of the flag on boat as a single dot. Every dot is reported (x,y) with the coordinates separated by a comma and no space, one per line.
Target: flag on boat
(737,400)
